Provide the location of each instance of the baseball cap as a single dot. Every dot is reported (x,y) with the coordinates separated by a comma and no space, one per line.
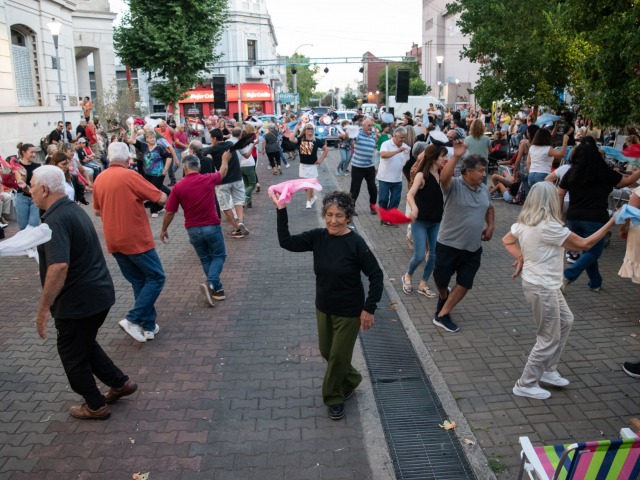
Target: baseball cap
(82,140)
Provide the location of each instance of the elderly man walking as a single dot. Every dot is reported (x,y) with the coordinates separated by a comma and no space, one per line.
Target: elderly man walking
(118,196)
(78,292)
(362,164)
(196,194)
(394,153)
(467,208)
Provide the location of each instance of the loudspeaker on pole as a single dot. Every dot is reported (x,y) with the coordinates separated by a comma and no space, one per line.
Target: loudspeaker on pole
(219,86)
(402,86)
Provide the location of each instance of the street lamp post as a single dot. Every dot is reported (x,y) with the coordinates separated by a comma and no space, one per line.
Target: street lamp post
(54,27)
(294,72)
(457,84)
(439,60)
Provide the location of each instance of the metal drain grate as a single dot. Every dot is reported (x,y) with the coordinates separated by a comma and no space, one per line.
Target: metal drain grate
(409,407)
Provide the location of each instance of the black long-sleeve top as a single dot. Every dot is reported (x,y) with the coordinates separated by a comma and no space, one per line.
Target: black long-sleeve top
(337,263)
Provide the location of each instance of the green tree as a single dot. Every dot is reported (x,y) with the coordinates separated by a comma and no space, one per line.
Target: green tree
(305,77)
(416,84)
(350,100)
(531,58)
(522,60)
(174,41)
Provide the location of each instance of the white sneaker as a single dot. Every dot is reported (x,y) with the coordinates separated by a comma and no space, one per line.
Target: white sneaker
(313,200)
(534,392)
(243,229)
(148,335)
(134,331)
(154,215)
(309,204)
(555,379)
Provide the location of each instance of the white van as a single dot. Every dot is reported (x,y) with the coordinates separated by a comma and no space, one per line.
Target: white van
(414,103)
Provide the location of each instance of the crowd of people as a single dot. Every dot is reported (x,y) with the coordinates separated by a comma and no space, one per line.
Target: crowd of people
(445,161)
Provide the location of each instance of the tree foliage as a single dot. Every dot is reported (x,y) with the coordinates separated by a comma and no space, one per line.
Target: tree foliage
(306,81)
(530,52)
(173,40)
(350,100)
(416,84)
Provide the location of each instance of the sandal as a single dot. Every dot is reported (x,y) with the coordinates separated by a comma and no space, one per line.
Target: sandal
(427,292)
(406,285)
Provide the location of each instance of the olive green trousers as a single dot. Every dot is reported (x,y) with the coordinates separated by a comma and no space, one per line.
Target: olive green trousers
(337,337)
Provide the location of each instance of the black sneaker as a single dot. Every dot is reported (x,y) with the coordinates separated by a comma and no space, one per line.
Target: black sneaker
(336,412)
(446,323)
(218,295)
(573,257)
(632,369)
(348,394)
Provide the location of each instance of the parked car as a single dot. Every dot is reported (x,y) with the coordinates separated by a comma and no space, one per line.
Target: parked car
(345,115)
(329,133)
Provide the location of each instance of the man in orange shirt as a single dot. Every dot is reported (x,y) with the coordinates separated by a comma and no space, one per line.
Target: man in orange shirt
(118,199)
(87,106)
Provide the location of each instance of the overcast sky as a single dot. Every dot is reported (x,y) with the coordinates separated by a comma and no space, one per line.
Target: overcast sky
(341,27)
(345,28)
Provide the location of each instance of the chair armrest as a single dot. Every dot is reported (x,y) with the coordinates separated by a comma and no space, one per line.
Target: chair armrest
(532,458)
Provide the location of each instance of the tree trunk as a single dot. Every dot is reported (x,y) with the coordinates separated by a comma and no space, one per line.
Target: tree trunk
(176,111)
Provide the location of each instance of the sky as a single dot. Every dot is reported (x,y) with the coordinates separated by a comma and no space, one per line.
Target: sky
(341,27)
(345,28)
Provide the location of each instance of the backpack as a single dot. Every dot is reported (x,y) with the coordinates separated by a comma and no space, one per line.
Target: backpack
(45,142)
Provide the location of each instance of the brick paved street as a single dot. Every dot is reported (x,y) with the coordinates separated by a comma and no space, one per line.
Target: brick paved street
(234,391)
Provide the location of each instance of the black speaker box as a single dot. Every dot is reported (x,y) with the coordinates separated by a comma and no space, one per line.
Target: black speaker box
(219,85)
(402,86)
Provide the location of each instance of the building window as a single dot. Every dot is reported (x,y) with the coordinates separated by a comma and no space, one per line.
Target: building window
(25,66)
(251,52)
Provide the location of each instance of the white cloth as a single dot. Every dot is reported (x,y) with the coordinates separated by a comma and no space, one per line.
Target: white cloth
(390,169)
(68,189)
(246,162)
(542,251)
(25,242)
(308,171)
(540,159)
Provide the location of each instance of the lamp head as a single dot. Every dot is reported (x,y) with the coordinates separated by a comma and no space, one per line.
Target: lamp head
(439,59)
(54,27)
(326,69)
(294,70)
(261,72)
(361,69)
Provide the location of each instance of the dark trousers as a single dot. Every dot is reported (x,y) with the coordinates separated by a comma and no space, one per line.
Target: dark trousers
(158,183)
(369,175)
(82,358)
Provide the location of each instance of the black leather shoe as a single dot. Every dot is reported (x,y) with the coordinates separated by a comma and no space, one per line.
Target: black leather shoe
(336,412)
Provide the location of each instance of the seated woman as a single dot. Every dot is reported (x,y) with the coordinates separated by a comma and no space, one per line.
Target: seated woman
(505,188)
(87,159)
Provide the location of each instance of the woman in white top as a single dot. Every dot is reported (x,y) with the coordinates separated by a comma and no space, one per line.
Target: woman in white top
(541,155)
(537,242)
(61,161)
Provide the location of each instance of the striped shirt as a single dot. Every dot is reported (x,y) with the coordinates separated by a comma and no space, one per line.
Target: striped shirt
(363,151)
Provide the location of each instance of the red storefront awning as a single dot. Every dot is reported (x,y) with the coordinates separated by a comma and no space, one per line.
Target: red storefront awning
(251,92)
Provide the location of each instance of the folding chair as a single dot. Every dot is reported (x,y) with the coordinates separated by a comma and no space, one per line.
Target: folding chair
(602,460)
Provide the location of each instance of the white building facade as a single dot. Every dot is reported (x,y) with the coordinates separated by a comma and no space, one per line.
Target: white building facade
(29,90)
(442,40)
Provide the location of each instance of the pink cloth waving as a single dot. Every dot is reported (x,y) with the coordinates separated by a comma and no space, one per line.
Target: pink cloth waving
(288,188)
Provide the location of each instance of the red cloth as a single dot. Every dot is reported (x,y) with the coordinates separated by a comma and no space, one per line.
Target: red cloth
(91,134)
(195,193)
(392,215)
(632,151)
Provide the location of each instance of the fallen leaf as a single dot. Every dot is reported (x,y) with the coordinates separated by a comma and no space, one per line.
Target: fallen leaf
(634,335)
(132,440)
(468,441)
(393,306)
(140,476)
(447,425)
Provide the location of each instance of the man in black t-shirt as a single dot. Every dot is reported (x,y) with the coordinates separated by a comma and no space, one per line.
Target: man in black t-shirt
(81,129)
(78,293)
(55,136)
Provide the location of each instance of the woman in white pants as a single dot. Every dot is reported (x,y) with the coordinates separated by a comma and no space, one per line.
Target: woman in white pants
(537,241)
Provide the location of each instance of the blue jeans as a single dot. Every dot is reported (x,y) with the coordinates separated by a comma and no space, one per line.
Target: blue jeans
(28,213)
(283,157)
(423,232)
(345,157)
(536,177)
(389,194)
(145,274)
(588,260)
(208,243)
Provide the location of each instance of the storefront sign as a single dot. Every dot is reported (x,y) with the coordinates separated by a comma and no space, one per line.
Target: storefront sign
(287,97)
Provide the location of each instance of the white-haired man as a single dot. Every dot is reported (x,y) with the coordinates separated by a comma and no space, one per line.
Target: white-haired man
(78,292)
(118,198)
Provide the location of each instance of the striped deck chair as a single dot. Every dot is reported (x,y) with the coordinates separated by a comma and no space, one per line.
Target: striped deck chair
(601,460)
